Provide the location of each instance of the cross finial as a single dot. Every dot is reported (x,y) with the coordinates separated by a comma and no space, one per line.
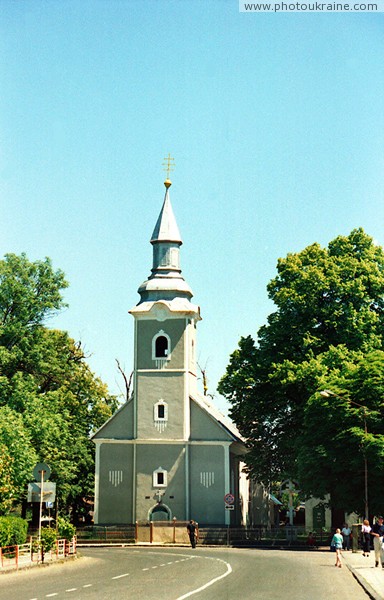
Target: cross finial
(169,166)
(159,495)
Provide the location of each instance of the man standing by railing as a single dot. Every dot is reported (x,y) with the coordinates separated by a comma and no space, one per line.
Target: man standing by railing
(192,532)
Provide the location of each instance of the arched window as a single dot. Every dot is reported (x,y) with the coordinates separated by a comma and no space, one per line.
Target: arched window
(161,348)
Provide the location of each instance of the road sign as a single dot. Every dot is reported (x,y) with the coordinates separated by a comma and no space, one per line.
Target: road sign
(229,507)
(41,471)
(229,498)
(34,492)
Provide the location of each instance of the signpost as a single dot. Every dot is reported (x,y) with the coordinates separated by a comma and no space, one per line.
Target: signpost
(41,473)
(229,500)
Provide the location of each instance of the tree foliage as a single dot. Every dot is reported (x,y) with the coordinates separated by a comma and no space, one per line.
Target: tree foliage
(50,401)
(13,531)
(326,332)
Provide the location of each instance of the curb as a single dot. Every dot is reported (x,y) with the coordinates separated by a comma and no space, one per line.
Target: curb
(364,583)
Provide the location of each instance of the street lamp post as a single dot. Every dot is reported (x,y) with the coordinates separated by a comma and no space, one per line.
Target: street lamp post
(327,394)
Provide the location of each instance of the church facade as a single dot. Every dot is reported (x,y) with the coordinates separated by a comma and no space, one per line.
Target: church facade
(168,452)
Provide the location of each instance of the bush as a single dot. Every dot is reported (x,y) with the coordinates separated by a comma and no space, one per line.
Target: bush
(65,529)
(13,531)
(48,538)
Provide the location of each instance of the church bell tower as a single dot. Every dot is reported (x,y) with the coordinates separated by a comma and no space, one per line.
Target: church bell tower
(164,346)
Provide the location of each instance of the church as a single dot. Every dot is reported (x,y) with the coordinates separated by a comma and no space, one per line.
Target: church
(168,452)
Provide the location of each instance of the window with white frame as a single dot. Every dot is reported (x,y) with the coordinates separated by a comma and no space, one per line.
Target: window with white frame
(160,415)
(161,411)
(161,348)
(160,477)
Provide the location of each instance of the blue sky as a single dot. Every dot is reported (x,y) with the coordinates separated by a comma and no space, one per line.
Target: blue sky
(276,123)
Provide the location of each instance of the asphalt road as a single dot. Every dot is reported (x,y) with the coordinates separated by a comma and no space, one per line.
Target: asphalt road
(181,573)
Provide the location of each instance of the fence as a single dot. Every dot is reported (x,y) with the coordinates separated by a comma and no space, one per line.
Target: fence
(109,534)
(171,532)
(175,532)
(29,553)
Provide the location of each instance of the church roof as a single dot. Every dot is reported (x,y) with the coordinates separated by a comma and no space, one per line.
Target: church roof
(166,229)
(214,412)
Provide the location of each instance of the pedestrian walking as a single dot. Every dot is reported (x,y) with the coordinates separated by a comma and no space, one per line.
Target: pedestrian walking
(377,532)
(346,533)
(337,543)
(365,534)
(192,532)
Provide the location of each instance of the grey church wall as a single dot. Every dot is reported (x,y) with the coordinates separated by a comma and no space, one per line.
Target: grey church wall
(120,427)
(147,329)
(115,490)
(170,458)
(207,483)
(150,389)
(203,427)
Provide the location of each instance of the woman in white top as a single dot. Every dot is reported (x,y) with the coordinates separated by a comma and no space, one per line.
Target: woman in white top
(365,532)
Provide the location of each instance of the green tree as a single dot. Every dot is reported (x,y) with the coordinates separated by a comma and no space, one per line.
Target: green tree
(46,386)
(18,459)
(29,294)
(6,481)
(334,445)
(329,316)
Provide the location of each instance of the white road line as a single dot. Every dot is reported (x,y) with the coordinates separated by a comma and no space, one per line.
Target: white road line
(88,585)
(51,595)
(120,576)
(146,569)
(204,587)
(71,590)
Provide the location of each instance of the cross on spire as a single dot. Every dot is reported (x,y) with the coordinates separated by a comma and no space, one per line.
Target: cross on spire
(169,166)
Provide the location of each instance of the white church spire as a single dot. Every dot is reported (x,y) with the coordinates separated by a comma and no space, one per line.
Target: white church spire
(165,282)
(166,229)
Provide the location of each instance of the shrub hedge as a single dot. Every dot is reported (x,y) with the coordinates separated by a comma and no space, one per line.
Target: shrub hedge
(65,529)
(13,531)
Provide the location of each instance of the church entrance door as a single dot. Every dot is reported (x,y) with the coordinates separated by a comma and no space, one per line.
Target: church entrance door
(160,513)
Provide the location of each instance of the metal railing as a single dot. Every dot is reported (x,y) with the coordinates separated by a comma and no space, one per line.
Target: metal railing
(174,532)
(20,555)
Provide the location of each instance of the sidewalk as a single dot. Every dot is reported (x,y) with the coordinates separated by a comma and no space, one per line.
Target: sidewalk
(369,576)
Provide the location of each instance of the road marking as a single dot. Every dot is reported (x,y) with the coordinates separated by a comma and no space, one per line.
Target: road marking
(71,590)
(88,585)
(146,569)
(51,595)
(120,576)
(204,587)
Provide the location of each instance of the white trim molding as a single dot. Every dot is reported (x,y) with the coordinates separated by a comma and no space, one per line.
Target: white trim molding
(160,478)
